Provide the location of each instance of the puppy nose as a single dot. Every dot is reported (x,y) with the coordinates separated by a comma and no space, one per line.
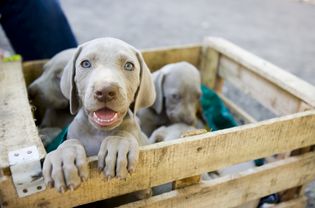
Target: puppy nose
(106,93)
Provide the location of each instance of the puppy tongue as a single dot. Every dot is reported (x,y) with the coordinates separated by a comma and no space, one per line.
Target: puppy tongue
(104,117)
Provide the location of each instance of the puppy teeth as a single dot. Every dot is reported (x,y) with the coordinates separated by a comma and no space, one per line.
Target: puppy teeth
(104,120)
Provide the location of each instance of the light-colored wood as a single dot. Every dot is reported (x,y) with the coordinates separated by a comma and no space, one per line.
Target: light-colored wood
(17,127)
(193,179)
(235,190)
(209,66)
(32,70)
(164,163)
(251,63)
(266,92)
(219,84)
(237,111)
(168,161)
(193,132)
(186,182)
(294,203)
(157,58)
(276,89)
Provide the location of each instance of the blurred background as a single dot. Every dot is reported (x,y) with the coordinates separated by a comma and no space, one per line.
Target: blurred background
(280,31)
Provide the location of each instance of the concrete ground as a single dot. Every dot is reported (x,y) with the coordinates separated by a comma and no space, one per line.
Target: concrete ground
(280,31)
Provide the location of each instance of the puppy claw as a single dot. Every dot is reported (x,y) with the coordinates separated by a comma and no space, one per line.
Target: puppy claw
(71,187)
(131,170)
(62,189)
(83,179)
(49,184)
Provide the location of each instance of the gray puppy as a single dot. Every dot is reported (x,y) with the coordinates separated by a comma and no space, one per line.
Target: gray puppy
(177,96)
(106,81)
(46,93)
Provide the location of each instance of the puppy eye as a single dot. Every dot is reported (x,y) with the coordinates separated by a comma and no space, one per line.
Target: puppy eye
(86,64)
(129,66)
(176,97)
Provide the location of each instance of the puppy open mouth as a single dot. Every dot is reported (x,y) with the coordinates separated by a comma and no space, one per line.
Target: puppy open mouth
(105,117)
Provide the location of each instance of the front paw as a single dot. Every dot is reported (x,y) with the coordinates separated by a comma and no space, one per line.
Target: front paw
(66,166)
(118,156)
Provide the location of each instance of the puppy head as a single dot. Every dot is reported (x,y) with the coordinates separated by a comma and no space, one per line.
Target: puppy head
(178,92)
(46,88)
(106,76)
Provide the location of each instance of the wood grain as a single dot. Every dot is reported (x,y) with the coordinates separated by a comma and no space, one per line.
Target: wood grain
(235,190)
(174,160)
(157,58)
(17,127)
(292,84)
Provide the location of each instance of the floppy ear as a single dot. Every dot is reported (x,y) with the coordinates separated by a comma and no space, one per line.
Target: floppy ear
(67,83)
(145,94)
(158,78)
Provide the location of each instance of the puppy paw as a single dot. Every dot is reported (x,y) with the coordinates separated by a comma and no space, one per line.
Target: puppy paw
(118,156)
(66,167)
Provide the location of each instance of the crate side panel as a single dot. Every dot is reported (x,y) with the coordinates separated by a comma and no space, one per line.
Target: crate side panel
(238,189)
(157,58)
(168,161)
(17,128)
(273,97)
(262,68)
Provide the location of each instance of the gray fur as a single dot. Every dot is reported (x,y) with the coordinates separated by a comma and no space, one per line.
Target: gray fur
(45,92)
(177,95)
(116,144)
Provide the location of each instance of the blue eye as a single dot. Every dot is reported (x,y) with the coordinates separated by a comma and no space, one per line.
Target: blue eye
(129,66)
(86,64)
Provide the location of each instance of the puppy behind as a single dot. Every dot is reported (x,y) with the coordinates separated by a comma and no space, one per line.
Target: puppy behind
(106,82)
(177,96)
(46,94)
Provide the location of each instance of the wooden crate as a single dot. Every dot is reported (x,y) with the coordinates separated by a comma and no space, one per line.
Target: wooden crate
(180,161)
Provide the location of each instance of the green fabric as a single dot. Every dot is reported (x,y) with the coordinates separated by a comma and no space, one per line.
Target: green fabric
(216,114)
(61,137)
(214,111)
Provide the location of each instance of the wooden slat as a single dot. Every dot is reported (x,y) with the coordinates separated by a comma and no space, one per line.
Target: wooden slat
(235,190)
(294,203)
(157,58)
(266,92)
(237,111)
(17,128)
(250,64)
(193,179)
(168,161)
(209,66)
